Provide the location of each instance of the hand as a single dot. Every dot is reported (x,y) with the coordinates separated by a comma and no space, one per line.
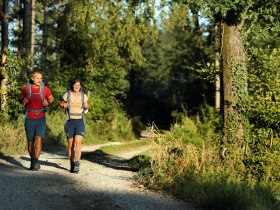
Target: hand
(25,100)
(45,103)
(85,107)
(65,105)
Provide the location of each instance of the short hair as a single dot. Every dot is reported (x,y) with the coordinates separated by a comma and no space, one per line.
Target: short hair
(37,72)
(74,81)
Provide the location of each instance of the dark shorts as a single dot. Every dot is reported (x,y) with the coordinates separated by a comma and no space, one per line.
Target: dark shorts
(74,127)
(35,127)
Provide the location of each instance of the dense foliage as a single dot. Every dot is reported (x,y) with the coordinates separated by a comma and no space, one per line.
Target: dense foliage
(154,62)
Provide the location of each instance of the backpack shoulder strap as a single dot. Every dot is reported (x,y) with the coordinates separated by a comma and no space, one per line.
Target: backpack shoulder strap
(82,97)
(28,90)
(68,97)
(42,85)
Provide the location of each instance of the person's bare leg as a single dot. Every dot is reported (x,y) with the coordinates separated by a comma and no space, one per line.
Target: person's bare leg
(78,144)
(37,146)
(71,153)
(78,147)
(70,149)
(37,151)
(31,154)
(31,149)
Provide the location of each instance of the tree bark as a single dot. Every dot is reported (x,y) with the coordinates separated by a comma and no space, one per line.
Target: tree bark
(218,71)
(45,36)
(32,32)
(234,71)
(26,29)
(4,46)
(19,25)
(28,34)
(4,25)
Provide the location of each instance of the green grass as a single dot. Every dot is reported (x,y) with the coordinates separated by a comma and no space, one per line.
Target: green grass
(12,139)
(124,147)
(96,132)
(193,170)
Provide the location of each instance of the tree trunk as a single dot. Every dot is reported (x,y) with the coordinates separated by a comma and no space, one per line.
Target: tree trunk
(45,37)
(28,34)
(26,29)
(4,25)
(218,71)
(234,82)
(4,41)
(195,21)
(19,25)
(32,32)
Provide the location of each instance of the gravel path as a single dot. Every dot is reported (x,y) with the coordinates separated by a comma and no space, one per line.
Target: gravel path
(104,182)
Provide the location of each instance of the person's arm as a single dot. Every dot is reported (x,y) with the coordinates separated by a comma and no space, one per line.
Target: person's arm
(49,100)
(86,105)
(63,104)
(23,98)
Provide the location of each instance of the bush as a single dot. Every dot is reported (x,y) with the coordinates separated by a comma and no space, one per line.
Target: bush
(194,172)
(13,139)
(55,136)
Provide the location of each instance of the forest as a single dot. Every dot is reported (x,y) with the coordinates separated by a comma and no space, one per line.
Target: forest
(203,77)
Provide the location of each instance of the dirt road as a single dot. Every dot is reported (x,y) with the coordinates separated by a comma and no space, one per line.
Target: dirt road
(104,182)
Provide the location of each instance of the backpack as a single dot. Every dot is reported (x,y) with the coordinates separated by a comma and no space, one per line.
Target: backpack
(83,91)
(42,85)
(37,111)
(67,111)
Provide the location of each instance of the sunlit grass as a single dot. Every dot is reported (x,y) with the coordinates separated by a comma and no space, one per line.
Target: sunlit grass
(194,171)
(12,139)
(125,147)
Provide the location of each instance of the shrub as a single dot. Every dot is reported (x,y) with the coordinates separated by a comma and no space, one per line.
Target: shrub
(13,139)
(195,173)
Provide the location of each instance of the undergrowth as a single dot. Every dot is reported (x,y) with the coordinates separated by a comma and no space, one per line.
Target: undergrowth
(187,163)
(12,139)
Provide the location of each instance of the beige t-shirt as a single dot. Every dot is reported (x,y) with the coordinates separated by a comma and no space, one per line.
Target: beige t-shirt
(75,105)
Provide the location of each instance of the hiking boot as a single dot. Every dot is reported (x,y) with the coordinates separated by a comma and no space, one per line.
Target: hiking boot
(76,168)
(72,165)
(31,164)
(36,165)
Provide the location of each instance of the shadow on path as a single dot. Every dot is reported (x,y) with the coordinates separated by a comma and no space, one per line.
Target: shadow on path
(47,163)
(12,160)
(110,161)
(50,190)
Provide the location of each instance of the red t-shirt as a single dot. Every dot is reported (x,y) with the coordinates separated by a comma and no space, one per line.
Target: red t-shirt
(35,101)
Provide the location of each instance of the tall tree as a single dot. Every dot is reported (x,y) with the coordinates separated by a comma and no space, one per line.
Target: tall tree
(4,47)
(217,69)
(101,41)
(166,81)
(26,28)
(234,17)
(4,25)
(16,19)
(32,32)
(45,35)
(28,34)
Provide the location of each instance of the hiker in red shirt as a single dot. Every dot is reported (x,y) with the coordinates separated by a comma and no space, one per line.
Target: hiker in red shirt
(36,97)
